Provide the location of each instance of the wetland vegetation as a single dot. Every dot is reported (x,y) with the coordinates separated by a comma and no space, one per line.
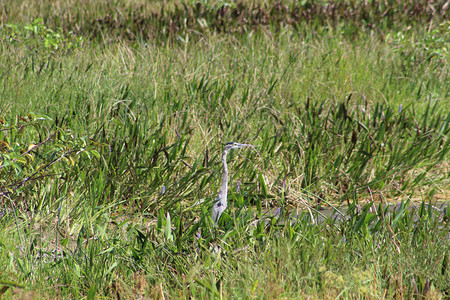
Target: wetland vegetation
(113,118)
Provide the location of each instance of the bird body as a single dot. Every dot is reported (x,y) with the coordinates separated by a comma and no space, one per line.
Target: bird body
(220,203)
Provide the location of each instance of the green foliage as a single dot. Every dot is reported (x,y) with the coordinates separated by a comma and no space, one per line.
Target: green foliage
(36,152)
(433,44)
(38,37)
(267,258)
(110,155)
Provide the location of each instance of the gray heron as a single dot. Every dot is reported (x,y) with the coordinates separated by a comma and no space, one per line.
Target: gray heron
(220,203)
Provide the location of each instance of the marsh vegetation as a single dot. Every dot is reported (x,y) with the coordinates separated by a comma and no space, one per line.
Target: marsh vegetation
(113,117)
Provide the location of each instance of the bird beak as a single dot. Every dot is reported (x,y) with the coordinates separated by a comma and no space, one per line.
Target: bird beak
(244,145)
(237,146)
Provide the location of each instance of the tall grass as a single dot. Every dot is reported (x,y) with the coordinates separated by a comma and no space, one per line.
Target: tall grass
(110,158)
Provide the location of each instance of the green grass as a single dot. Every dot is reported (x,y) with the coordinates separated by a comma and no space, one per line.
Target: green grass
(110,158)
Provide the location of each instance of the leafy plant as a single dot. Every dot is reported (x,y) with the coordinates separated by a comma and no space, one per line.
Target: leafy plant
(433,44)
(38,37)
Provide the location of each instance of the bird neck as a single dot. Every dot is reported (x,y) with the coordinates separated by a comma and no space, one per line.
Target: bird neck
(224,188)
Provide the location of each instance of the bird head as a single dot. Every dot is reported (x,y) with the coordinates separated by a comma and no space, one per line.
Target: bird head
(233,145)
